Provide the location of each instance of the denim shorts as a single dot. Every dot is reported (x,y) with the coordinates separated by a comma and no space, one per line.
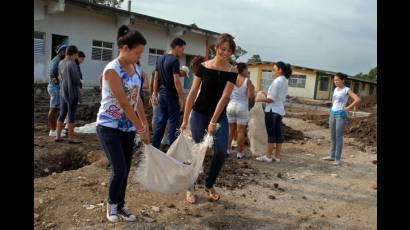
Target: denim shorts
(54,93)
(237,113)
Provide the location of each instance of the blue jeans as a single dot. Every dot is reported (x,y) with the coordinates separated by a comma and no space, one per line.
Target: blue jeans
(337,126)
(167,111)
(199,125)
(118,147)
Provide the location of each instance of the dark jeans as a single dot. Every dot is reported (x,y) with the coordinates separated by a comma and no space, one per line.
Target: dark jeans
(273,122)
(199,125)
(67,108)
(167,111)
(117,146)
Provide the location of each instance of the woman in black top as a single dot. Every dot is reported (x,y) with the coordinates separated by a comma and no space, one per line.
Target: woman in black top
(215,79)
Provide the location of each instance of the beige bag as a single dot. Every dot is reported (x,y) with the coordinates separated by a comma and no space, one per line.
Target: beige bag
(177,170)
(257,133)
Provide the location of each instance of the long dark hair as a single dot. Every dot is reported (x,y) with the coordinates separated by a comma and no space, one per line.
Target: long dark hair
(131,38)
(285,67)
(194,64)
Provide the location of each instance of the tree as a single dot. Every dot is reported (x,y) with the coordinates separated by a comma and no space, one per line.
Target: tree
(111,3)
(254,58)
(371,76)
(238,52)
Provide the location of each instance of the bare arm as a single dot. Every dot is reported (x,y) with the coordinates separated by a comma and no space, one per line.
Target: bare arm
(223,101)
(191,98)
(146,81)
(179,89)
(155,84)
(251,90)
(115,84)
(356,100)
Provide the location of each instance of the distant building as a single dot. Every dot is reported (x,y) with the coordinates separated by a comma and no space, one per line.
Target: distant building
(93,28)
(307,82)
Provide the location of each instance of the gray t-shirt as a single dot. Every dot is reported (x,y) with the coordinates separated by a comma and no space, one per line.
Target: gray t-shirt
(70,81)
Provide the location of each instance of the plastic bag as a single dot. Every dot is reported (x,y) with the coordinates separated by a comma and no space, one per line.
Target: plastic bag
(177,170)
(88,128)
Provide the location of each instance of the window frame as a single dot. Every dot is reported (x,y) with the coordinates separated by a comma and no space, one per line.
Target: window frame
(101,49)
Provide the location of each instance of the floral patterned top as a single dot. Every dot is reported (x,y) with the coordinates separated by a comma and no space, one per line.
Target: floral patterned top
(110,113)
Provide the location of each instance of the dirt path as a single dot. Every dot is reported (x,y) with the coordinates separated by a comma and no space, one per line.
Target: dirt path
(300,192)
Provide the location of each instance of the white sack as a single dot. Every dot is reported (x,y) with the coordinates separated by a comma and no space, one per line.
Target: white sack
(257,133)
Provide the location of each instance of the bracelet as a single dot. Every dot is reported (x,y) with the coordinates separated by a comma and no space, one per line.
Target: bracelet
(212,123)
(142,130)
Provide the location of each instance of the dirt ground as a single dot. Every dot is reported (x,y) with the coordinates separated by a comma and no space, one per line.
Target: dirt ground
(300,192)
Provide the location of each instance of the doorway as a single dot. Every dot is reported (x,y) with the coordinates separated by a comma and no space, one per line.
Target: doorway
(57,40)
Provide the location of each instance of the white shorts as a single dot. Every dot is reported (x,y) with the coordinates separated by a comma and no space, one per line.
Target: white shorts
(237,113)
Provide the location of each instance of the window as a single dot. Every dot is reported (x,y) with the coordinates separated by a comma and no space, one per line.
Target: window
(266,80)
(153,55)
(371,90)
(324,83)
(298,81)
(101,51)
(363,86)
(39,43)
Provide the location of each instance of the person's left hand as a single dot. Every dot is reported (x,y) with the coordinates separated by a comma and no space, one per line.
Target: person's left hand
(211,129)
(346,108)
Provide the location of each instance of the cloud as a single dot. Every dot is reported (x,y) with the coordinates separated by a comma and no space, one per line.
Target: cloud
(331,35)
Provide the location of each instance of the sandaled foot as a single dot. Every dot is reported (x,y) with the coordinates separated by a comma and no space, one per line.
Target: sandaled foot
(212,195)
(58,140)
(190,198)
(74,141)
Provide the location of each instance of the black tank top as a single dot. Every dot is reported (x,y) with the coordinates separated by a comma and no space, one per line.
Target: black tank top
(212,87)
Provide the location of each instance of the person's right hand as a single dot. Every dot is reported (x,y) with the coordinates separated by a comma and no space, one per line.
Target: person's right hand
(55,80)
(154,100)
(145,137)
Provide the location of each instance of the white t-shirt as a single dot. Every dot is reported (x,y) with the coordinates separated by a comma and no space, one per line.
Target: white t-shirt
(340,96)
(277,92)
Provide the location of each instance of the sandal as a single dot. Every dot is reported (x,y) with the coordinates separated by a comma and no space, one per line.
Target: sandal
(191,198)
(212,196)
(58,140)
(74,141)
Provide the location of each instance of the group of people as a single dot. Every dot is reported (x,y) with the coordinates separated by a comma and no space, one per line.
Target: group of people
(217,104)
(64,90)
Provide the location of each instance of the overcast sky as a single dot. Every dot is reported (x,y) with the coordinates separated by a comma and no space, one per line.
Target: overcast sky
(332,35)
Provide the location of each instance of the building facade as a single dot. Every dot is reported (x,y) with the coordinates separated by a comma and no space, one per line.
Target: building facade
(307,82)
(93,28)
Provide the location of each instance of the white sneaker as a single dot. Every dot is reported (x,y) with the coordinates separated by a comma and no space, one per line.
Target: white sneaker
(328,159)
(126,215)
(53,133)
(276,159)
(239,155)
(264,158)
(337,162)
(112,212)
(228,152)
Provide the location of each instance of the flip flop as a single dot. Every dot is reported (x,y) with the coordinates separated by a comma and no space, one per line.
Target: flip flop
(192,199)
(212,196)
(74,141)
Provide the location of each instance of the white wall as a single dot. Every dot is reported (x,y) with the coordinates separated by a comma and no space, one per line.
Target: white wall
(83,26)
